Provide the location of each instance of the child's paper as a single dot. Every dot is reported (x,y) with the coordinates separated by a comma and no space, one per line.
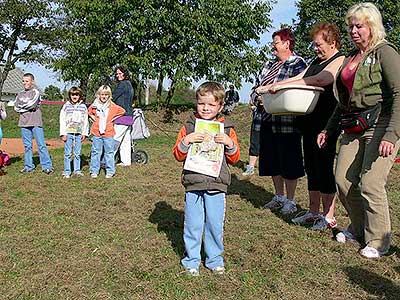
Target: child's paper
(206,157)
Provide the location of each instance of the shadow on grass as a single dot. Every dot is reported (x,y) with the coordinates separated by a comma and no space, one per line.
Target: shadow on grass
(15,159)
(169,221)
(247,190)
(257,196)
(374,284)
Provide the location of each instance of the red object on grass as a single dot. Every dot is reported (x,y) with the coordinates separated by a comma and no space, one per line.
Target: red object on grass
(397,160)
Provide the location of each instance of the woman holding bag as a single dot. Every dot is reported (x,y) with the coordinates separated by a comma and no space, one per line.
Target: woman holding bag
(368,90)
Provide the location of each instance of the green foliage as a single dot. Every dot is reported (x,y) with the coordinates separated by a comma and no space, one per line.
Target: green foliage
(52,93)
(177,40)
(311,12)
(24,27)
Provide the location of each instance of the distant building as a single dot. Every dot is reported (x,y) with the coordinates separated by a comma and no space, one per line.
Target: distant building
(12,86)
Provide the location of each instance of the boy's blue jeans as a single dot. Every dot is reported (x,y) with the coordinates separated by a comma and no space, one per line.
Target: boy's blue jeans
(28,133)
(204,213)
(97,149)
(73,143)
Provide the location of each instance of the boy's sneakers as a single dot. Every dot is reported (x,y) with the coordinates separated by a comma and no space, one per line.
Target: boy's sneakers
(108,176)
(323,223)
(79,173)
(277,202)
(47,171)
(26,170)
(306,219)
(249,171)
(289,207)
(192,272)
(219,270)
(66,175)
(93,175)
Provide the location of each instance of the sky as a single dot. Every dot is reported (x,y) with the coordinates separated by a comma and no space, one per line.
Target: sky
(283,12)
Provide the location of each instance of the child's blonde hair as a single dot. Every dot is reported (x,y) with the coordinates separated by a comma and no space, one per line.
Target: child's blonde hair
(107,90)
(215,88)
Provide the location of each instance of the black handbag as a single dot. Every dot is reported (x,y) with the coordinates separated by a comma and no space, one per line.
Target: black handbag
(359,121)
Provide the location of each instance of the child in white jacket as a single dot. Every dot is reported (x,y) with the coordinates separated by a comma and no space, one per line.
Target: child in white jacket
(3,115)
(74,128)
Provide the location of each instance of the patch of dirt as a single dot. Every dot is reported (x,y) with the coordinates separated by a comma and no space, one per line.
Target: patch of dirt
(16,147)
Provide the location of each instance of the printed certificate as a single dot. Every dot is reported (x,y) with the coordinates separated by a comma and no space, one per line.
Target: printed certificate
(206,157)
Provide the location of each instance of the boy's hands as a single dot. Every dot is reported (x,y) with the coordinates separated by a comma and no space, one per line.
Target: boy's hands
(83,137)
(194,137)
(64,138)
(223,138)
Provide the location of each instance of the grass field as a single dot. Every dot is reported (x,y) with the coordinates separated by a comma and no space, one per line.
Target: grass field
(85,238)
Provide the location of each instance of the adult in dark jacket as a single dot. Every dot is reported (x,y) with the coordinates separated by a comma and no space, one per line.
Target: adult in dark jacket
(123,96)
(319,162)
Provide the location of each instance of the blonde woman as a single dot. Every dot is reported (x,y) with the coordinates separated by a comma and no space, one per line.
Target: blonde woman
(368,90)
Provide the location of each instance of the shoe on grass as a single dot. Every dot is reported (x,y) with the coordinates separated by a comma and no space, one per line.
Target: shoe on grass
(93,175)
(370,252)
(47,171)
(289,207)
(26,170)
(249,171)
(108,176)
(277,202)
(324,223)
(192,272)
(218,270)
(65,175)
(306,219)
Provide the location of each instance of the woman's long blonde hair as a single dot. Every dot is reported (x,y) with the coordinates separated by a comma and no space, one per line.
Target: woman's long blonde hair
(370,15)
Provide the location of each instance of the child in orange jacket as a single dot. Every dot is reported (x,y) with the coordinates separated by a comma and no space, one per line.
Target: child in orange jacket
(205,195)
(103,112)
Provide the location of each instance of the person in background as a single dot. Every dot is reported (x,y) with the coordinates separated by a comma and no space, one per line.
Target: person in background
(231,100)
(280,142)
(123,97)
(3,115)
(103,112)
(205,195)
(258,114)
(318,162)
(368,89)
(74,128)
(27,105)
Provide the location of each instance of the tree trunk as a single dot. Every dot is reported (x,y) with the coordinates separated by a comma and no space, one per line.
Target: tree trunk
(160,87)
(170,93)
(83,85)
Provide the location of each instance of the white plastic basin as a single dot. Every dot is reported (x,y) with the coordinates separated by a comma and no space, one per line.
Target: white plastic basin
(291,100)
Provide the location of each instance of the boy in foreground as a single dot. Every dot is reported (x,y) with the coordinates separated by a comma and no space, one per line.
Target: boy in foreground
(205,195)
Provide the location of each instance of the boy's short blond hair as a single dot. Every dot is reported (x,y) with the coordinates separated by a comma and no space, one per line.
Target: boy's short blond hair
(215,88)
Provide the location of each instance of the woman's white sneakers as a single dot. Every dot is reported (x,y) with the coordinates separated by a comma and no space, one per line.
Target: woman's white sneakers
(370,252)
